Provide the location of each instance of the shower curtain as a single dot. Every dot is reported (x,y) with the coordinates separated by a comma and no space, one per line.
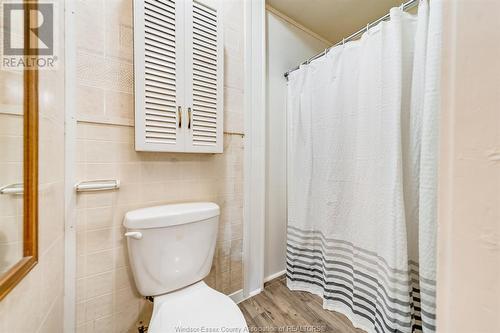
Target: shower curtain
(362,154)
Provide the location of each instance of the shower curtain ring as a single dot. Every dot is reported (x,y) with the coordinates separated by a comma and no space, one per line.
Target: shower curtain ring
(343,41)
(367,27)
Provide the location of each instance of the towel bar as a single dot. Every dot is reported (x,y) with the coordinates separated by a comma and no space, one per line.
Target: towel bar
(15,189)
(97,185)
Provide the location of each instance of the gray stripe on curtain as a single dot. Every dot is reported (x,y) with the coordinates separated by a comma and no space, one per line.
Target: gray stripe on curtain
(369,257)
(352,275)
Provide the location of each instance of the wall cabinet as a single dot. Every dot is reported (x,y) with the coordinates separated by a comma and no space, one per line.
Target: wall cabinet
(178,68)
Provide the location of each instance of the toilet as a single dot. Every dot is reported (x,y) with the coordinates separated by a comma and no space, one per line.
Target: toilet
(171,249)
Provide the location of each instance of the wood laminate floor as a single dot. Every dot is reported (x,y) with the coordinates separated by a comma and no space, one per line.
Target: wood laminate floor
(278,309)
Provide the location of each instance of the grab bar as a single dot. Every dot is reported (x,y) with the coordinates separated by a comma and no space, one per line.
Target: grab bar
(97,185)
(14,189)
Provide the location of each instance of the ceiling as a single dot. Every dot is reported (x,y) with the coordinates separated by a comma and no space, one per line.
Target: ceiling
(334,19)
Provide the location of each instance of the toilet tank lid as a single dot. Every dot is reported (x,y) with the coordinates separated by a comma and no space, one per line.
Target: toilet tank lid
(170,215)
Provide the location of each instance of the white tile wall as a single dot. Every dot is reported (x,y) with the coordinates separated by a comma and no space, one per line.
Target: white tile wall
(11,206)
(147,179)
(36,303)
(106,295)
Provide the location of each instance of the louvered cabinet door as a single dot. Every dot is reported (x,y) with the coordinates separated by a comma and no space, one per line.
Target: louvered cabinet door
(159,71)
(204,78)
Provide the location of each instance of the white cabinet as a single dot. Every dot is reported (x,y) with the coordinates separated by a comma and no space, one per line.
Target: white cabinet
(178,68)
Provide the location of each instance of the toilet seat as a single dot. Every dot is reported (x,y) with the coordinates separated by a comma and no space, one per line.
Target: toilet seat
(197,308)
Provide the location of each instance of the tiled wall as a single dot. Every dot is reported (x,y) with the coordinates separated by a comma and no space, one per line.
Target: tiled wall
(36,303)
(107,299)
(11,158)
(11,171)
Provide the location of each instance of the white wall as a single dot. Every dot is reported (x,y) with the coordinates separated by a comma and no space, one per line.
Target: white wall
(468,270)
(287,46)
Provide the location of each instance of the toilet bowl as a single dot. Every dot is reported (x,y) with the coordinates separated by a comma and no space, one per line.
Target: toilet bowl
(171,249)
(194,308)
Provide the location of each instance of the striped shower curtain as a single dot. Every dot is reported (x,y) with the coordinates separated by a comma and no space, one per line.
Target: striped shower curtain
(362,160)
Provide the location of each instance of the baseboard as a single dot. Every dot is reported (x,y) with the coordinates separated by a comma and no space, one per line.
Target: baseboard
(239,297)
(254,293)
(274,276)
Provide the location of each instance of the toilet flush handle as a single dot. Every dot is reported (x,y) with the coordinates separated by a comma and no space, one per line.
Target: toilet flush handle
(133,234)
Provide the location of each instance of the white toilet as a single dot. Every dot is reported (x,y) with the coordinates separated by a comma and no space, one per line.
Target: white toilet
(171,249)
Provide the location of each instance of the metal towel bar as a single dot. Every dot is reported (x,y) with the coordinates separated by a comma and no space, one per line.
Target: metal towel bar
(15,189)
(97,185)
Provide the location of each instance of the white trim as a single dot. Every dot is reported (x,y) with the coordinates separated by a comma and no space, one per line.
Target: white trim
(255,149)
(254,293)
(237,296)
(296,24)
(70,168)
(275,275)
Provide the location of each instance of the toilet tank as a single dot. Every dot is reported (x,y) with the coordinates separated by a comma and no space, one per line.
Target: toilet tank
(171,246)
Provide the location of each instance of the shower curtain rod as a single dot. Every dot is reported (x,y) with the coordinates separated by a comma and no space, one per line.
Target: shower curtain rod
(405,6)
